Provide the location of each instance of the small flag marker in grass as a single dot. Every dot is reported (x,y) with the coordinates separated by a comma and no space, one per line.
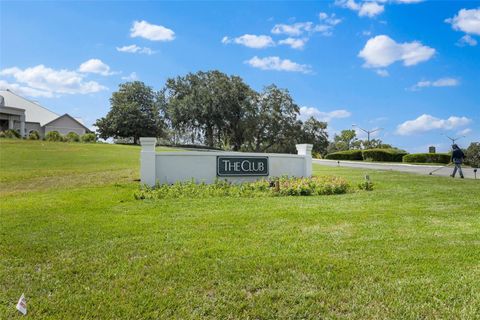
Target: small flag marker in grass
(22,305)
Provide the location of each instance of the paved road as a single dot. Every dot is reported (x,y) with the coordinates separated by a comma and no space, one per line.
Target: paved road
(410,168)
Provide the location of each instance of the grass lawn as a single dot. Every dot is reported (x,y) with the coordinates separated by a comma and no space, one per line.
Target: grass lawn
(75,241)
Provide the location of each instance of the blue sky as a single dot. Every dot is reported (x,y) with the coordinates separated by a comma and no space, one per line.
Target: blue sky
(410,67)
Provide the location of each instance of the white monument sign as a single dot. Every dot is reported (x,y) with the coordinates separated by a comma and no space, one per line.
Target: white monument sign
(207,166)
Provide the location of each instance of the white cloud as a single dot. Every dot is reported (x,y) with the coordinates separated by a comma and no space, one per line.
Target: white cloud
(364,9)
(225,40)
(382,73)
(329,19)
(442,82)
(464,132)
(131,77)
(251,41)
(382,51)
(295,29)
(135,49)
(349,4)
(426,122)
(307,112)
(294,43)
(300,28)
(275,63)
(370,9)
(467,40)
(46,82)
(96,66)
(467,20)
(151,32)
(24,91)
(322,16)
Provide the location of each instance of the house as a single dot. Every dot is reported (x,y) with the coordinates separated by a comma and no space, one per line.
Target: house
(25,116)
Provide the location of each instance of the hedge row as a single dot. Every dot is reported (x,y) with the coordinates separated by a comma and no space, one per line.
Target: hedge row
(427,158)
(390,155)
(70,137)
(51,136)
(345,155)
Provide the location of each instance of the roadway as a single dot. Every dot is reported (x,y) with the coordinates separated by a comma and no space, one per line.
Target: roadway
(402,167)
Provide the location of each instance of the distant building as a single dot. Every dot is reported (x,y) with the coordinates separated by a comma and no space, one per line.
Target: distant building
(25,116)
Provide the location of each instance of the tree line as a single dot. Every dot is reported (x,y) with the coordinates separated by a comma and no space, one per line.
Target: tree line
(212,109)
(347,140)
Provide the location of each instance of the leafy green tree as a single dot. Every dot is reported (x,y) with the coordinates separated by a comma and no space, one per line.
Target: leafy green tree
(346,140)
(372,144)
(134,113)
(472,154)
(315,132)
(209,106)
(275,127)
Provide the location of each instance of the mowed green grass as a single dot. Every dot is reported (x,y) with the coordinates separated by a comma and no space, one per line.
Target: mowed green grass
(408,250)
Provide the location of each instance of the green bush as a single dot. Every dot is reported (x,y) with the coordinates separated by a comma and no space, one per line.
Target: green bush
(317,155)
(389,155)
(89,137)
(262,188)
(72,137)
(10,134)
(34,135)
(427,158)
(345,155)
(53,136)
(366,185)
(472,155)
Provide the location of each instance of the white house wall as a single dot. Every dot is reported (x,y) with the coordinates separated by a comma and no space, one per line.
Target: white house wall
(65,125)
(34,126)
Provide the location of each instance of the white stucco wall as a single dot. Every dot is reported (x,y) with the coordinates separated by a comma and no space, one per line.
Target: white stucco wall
(201,166)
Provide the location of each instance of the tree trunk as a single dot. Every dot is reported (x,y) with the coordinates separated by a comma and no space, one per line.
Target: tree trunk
(209,136)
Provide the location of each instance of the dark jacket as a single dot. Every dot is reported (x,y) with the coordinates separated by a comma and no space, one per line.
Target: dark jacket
(458,155)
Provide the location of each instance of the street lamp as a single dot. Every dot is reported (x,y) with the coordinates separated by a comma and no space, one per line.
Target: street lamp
(368,132)
(453,139)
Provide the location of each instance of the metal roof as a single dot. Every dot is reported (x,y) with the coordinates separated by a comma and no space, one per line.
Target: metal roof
(33,111)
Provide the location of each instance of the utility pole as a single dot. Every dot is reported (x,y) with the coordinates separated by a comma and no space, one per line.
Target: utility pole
(368,132)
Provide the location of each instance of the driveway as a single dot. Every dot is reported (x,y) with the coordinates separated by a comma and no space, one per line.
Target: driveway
(410,168)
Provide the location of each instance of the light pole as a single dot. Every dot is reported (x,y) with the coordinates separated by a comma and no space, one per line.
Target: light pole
(453,139)
(368,132)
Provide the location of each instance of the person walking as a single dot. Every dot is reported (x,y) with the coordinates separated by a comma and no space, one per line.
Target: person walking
(457,159)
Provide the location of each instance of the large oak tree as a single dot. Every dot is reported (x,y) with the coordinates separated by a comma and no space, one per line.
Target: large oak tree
(134,113)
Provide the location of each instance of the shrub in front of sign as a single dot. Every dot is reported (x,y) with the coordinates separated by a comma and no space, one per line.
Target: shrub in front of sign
(345,155)
(427,158)
(387,155)
(263,188)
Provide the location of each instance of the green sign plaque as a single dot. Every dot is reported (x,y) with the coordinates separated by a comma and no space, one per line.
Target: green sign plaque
(230,166)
